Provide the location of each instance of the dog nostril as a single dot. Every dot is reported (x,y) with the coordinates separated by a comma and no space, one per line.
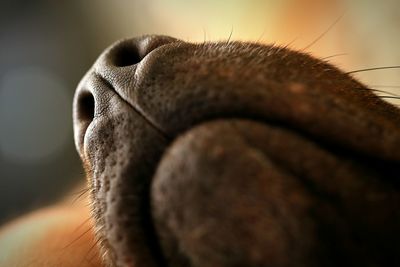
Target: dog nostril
(126,56)
(85,107)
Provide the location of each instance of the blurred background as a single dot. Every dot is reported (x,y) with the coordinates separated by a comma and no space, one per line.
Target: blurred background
(46,47)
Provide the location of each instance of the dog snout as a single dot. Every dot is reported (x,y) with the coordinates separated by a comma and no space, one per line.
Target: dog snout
(115,63)
(113,72)
(129,52)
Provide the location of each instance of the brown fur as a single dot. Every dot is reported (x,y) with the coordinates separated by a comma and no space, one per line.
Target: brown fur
(234,154)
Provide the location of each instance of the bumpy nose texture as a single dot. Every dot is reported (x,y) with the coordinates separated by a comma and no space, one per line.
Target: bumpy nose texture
(131,51)
(114,69)
(118,63)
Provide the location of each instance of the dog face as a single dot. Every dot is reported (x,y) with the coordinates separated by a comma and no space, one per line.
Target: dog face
(236,154)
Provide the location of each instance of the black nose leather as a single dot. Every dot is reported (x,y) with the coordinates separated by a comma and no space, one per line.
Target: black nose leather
(115,68)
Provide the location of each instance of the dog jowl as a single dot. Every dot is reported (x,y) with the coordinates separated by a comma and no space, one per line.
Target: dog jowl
(236,154)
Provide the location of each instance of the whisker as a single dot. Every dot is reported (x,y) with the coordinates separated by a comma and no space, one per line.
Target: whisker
(80,225)
(261,36)
(77,238)
(77,192)
(324,33)
(380,91)
(82,193)
(335,55)
(292,41)
(85,258)
(371,69)
(230,36)
(204,35)
(386,86)
(390,97)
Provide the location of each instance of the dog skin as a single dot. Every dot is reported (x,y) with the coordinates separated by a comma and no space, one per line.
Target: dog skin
(228,154)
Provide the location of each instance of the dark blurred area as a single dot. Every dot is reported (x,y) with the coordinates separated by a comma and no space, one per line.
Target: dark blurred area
(44,50)
(47,46)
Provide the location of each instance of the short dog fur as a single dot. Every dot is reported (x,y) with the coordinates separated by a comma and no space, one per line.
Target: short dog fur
(234,154)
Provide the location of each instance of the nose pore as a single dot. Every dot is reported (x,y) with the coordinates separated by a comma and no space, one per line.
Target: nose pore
(115,66)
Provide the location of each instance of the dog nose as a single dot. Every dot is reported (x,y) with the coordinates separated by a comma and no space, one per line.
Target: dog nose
(129,52)
(115,66)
